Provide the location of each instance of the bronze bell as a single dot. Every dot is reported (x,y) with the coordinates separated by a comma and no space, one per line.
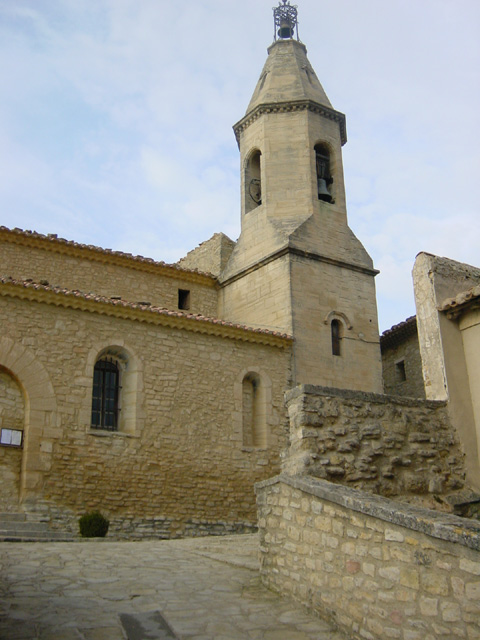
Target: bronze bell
(286,30)
(323,192)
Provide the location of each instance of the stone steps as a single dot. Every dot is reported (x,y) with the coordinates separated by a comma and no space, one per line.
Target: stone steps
(14,527)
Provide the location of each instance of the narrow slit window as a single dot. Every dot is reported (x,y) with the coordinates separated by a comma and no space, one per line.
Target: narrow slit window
(106,386)
(400,372)
(336,338)
(184,299)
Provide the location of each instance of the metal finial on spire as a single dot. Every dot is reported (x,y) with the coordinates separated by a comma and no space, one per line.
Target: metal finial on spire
(285,20)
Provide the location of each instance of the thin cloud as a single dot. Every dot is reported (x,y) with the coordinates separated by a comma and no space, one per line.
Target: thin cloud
(117,115)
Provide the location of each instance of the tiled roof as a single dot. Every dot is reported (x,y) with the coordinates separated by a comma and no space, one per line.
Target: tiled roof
(461,300)
(58,244)
(123,308)
(398,333)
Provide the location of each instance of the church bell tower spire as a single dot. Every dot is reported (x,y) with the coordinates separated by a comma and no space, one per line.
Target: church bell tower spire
(297,267)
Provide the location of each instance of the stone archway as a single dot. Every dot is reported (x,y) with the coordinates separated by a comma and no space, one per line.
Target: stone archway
(12,423)
(40,414)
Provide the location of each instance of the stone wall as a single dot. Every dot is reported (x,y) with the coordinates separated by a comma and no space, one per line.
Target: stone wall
(210,256)
(104,272)
(387,445)
(12,416)
(436,281)
(378,569)
(402,364)
(178,463)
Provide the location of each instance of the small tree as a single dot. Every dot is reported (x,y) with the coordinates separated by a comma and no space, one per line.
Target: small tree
(93,525)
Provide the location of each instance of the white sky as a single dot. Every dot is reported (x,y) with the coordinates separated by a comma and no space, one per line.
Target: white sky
(116,116)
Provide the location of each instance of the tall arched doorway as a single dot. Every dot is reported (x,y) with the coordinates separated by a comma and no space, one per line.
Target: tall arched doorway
(12,424)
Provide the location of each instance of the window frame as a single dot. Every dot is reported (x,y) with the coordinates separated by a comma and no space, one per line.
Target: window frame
(400,371)
(108,394)
(336,336)
(184,299)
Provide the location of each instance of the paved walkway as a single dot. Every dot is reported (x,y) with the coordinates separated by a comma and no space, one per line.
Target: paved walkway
(205,588)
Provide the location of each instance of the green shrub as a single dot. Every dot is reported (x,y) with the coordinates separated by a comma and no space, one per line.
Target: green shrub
(93,525)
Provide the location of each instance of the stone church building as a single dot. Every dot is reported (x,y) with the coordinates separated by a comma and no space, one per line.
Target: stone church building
(155,392)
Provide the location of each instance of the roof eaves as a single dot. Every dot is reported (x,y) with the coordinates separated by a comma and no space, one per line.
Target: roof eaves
(398,333)
(461,302)
(143,312)
(52,242)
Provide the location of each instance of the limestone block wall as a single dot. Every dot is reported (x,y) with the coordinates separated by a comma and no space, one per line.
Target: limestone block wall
(106,273)
(260,298)
(210,256)
(12,416)
(321,292)
(407,352)
(178,464)
(301,295)
(387,445)
(377,568)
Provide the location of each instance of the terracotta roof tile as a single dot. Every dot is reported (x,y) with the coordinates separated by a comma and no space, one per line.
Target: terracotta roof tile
(462,298)
(398,333)
(52,237)
(146,308)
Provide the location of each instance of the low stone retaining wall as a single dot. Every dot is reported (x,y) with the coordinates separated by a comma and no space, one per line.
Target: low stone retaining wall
(377,568)
(135,528)
(387,445)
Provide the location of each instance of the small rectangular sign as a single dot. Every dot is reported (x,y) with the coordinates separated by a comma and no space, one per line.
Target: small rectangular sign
(11,437)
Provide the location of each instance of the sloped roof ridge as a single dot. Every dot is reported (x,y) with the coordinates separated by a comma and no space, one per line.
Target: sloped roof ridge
(148,308)
(52,237)
(399,331)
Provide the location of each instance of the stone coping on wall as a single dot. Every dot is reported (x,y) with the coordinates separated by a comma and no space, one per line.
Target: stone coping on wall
(364,396)
(432,523)
(141,312)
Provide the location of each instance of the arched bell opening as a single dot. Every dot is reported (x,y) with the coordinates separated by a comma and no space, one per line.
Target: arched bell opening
(253,181)
(324,175)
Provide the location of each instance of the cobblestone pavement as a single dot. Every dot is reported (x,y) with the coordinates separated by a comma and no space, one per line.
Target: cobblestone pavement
(205,588)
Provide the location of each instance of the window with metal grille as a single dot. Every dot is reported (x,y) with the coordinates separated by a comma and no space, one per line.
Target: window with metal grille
(106,386)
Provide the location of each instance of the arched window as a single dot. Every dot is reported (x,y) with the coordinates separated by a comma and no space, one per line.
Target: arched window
(253,412)
(253,182)
(324,176)
(105,397)
(336,337)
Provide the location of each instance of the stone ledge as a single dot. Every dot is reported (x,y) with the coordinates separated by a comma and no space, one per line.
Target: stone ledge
(365,396)
(106,433)
(432,523)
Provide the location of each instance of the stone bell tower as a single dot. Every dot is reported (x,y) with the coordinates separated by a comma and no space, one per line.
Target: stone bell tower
(297,267)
